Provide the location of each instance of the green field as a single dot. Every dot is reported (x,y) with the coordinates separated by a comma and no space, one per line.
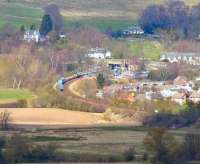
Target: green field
(10,95)
(137,48)
(99,23)
(100,14)
(17,15)
(147,49)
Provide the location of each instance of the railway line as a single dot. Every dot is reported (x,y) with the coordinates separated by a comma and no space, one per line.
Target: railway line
(65,87)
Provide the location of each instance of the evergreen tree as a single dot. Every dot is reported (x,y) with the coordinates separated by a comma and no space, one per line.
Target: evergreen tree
(100,80)
(46,25)
(33,27)
(22,28)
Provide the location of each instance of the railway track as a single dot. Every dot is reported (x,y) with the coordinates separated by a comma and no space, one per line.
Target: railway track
(137,116)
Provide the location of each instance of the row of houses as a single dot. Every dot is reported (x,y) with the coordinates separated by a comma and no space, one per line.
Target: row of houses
(172,57)
(179,91)
(182,98)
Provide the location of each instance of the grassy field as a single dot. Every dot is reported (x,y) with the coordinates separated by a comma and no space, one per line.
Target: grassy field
(147,49)
(78,143)
(100,14)
(138,48)
(11,95)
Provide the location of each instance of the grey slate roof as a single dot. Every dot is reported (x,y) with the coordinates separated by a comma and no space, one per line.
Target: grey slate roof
(181,54)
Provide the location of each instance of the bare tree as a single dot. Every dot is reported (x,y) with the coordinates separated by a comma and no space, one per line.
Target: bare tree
(87,36)
(4,119)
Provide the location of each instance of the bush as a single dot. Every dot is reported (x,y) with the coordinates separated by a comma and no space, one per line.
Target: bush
(22,103)
(19,149)
(55,99)
(129,154)
(18,104)
(189,115)
(145,156)
(86,157)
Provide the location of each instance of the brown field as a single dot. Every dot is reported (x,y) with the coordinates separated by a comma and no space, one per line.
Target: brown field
(47,116)
(58,117)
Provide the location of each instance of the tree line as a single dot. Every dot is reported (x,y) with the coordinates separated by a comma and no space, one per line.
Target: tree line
(174,16)
(165,148)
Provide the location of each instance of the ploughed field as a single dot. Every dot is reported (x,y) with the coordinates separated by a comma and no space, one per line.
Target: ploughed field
(48,116)
(52,117)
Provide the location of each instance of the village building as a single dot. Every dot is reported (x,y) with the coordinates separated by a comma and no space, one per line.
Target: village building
(155,65)
(32,35)
(112,89)
(141,75)
(153,95)
(166,93)
(126,96)
(179,98)
(173,57)
(123,64)
(133,30)
(180,80)
(129,87)
(100,94)
(181,83)
(62,35)
(99,53)
(197,78)
(194,97)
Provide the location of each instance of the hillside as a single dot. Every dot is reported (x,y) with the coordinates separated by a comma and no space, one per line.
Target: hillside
(104,13)
(101,14)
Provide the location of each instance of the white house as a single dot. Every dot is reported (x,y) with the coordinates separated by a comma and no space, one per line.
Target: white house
(32,35)
(133,30)
(99,53)
(168,93)
(173,57)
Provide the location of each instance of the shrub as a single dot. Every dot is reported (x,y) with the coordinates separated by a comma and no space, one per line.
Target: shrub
(55,99)
(22,103)
(145,156)
(189,115)
(129,154)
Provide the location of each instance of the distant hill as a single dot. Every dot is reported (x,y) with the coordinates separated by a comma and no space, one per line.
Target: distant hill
(99,13)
